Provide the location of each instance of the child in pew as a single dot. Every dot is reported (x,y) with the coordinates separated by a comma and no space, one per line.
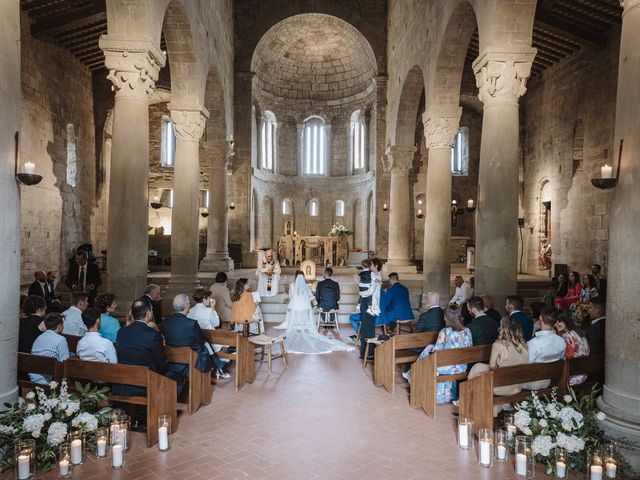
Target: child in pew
(454,335)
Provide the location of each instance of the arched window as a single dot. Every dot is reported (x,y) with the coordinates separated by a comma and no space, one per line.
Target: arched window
(340,208)
(357,141)
(167,143)
(268,140)
(460,153)
(287,207)
(314,147)
(314,208)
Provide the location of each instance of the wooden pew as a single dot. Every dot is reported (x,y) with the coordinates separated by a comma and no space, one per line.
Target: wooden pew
(161,391)
(244,356)
(47,366)
(72,342)
(200,389)
(398,349)
(477,398)
(592,365)
(424,377)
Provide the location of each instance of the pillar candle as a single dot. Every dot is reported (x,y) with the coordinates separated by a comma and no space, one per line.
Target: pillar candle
(116,455)
(463,436)
(521,464)
(606,171)
(611,469)
(561,469)
(163,438)
(64,467)
(102,447)
(596,472)
(502,452)
(29,168)
(485,452)
(470,203)
(76,451)
(24,468)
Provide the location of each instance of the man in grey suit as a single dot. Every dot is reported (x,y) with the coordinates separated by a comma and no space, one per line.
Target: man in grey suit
(433,319)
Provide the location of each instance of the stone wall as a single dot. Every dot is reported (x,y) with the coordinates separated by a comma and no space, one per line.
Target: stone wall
(57,113)
(568,121)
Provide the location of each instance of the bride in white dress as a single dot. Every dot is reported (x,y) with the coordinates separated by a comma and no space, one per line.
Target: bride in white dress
(301,335)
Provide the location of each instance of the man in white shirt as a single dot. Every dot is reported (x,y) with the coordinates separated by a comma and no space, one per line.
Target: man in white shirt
(203,311)
(73,324)
(546,346)
(93,346)
(463,292)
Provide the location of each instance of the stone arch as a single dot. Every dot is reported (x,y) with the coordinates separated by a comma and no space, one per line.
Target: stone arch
(407,114)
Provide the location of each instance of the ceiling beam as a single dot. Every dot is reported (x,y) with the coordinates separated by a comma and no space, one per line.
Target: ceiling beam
(574,33)
(92,13)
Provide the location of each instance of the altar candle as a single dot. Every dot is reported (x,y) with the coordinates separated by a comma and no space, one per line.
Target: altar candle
(29,168)
(485,452)
(596,472)
(102,447)
(606,171)
(463,436)
(561,469)
(611,469)
(64,467)
(116,456)
(163,438)
(502,452)
(24,468)
(521,464)
(76,452)
(470,203)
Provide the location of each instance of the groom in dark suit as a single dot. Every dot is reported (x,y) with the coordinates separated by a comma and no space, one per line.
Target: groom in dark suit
(328,293)
(83,276)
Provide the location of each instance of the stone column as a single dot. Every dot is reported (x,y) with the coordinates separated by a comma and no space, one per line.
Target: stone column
(133,69)
(10,96)
(440,127)
(621,395)
(501,79)
(189,126)
(398,163)
(217,258)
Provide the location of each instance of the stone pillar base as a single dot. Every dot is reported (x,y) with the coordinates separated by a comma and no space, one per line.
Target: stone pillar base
(623,430)
(213,264)
(399,266)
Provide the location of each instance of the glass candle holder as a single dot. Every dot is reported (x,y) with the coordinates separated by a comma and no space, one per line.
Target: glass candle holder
(164,432)
(561,462)
(64,460)
(25,451)
(595,467)
(102,441)
(465,433)
(502,445)
(115,418)
(610,461)
(510,425)
(485,447)
(525,466)
(124,432)
(76,446)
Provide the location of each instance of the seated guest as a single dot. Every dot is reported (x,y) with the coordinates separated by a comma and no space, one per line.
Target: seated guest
(514,306)
(83,276)
(54,304)
(73,324)
(93,346)
(491,312)
(395,303)
(536,310)
(139,344)
(466,314)
(589,288)
(328,293)
(109,325)
(545,346)
(243,308)
(577,345)
(596,332)
(50,344)
(221,297)
(484,331)
(601,282)
(152,296)
(433,319)
(454,335)
(562,287)
(181,331)
(573,292)
(42,288)
(463,292)
(203,311)
(31,325)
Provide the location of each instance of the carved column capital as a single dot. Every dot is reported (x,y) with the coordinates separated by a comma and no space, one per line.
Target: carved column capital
(441,124)
(502,76)
(189,122)
(399,160)
(133,65)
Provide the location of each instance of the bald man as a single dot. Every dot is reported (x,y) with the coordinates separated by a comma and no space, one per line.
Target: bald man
(433,319)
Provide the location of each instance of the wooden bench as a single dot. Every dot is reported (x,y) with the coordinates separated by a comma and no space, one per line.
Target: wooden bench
(398,349)
(424,373)
(200,389)
(47,366)
(161,393)
(477,398)
(244,356)
(591,365)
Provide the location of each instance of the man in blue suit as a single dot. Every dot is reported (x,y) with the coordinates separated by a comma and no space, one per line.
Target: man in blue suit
(395,303)
(514,306)
(433,319)
(328,293)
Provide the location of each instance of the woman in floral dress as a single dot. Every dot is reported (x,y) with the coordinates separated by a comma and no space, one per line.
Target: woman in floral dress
(577,345)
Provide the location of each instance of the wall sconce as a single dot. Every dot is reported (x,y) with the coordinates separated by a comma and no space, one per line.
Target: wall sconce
(455,209)
(155,202)
(232,206)
(385,207)
(471,206)
(204,213)
(28,177)
(607,180)
(420,213)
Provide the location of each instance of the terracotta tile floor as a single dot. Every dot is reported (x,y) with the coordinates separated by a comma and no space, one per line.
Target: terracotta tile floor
(322,418)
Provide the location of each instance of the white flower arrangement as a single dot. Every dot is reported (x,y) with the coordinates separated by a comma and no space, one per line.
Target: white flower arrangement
(86,420)
(338,229)
(57,433)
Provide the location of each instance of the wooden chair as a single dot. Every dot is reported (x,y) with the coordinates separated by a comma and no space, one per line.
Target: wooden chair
(424,373)
(243,357)
(46,366)
(266,344)
(200,389)
(477,398)
(331,314)
(370,341)
(161,392)
(403,348)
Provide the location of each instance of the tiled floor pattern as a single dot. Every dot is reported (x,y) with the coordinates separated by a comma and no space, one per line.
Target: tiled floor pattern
(322,418)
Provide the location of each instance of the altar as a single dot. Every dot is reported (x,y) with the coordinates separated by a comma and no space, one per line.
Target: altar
(293,249)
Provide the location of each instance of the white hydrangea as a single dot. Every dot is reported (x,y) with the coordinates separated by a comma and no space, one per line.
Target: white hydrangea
(542,445)
(7,430)
(522,419)
(570,418)
(543,423)
(57,433)
(570,443)
(34,422)
(87,420)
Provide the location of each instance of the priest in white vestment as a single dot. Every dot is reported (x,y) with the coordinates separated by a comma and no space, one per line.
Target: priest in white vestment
(268,273)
